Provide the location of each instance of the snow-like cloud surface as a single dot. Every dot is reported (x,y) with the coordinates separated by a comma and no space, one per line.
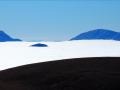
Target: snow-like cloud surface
(14,54)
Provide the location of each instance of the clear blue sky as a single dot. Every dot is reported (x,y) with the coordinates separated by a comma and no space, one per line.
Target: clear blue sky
(55,19)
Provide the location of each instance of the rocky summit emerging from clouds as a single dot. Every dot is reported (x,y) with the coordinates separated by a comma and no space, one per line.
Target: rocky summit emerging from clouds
(4,37)
(103,34)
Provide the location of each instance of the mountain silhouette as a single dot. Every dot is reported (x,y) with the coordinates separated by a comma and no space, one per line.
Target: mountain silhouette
(4,37)
(98,34)
(98,73)
(39,45)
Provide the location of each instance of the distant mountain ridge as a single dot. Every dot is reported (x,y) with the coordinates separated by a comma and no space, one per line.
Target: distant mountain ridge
(98,34)
(5,37)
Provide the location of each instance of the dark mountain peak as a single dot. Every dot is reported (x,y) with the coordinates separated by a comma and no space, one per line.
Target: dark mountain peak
(102,30)
(1,31)
(5,37)
(104,34)
(40,45)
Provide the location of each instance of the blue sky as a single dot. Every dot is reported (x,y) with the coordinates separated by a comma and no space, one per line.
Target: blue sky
(55,19)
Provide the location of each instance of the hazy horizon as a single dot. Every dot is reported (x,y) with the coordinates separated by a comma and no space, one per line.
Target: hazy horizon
(57,20)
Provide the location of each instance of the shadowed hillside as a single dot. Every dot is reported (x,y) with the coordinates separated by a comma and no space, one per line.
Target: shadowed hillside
(4,37)
(101,73)
(103,34)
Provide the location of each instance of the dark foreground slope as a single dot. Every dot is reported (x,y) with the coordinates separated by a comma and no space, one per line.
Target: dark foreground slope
(72,74)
